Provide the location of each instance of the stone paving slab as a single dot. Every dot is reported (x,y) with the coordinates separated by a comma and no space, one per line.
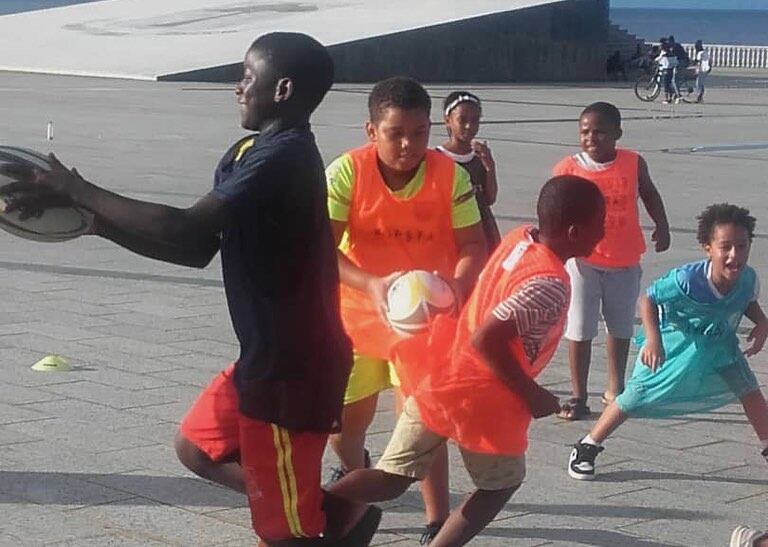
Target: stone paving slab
(86,457)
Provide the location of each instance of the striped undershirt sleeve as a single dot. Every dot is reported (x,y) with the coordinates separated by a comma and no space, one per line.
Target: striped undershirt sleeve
(537,305)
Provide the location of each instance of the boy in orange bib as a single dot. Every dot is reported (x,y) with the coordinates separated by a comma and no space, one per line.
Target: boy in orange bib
(477,387)
(395,205)
(608,280)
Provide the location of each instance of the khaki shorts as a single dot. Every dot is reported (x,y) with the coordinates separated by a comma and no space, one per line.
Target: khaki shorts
(413,446)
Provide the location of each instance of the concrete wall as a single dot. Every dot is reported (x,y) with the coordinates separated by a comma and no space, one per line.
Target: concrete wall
(563,41)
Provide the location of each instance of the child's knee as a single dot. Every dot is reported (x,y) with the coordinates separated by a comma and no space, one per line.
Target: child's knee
(191,456)
(502,495)
(399,483)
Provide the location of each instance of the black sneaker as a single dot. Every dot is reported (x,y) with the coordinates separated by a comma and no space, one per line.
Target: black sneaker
(430,531)
(338,472)
(581,463)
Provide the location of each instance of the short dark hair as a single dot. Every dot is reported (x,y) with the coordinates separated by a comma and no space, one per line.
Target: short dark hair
(302,59)
(606,111)
(456,98)
(397,92)
(566,200)
(723,213)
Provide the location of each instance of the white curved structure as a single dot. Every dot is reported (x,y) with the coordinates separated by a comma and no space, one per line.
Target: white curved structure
(145,39)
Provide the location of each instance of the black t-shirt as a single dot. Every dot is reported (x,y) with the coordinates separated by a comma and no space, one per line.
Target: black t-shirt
(682,56)
(281,279)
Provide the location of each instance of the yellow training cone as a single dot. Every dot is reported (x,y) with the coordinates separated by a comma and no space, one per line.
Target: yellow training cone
(52,363)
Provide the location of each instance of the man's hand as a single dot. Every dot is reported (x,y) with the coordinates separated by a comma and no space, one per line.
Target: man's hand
(33,205)
(59,179)
(36,190)
(757,336)
(661,238)
(542,403)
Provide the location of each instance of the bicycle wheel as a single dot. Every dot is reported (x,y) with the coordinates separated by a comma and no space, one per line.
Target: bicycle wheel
(687,89)
(647,87)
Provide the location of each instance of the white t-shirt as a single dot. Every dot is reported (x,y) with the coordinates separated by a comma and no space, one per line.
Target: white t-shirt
(666,61)
(703,60)
(588,164)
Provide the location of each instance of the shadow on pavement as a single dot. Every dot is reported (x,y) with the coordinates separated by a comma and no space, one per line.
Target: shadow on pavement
(575,536)
(628,475)
(59,488)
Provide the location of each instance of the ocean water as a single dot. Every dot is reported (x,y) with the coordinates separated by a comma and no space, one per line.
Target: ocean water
(718,26)
(18,6)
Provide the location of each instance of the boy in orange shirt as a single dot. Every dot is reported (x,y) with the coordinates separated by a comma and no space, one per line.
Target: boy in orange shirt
(395,205)
(477,384)
(609,276)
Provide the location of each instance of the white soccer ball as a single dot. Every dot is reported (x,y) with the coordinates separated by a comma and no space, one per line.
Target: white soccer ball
(414,298)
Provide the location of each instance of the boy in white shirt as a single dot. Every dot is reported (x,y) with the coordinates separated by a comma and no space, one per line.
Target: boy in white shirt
(667,64)
(703,68)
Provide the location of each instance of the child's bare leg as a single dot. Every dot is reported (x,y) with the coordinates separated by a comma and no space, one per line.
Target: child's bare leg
(435,486)
(618,350)
(370,485)
(472,517)
(229,474)
(349,445)
(581,462)
(611,418)
(756,411)
(579,356)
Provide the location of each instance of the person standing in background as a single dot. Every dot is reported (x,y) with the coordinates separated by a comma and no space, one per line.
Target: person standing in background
(703,68)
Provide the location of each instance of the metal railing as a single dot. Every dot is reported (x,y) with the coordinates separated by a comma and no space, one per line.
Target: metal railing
(723,55)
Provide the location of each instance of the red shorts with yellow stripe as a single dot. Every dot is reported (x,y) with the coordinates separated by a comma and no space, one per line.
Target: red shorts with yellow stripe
(282,468)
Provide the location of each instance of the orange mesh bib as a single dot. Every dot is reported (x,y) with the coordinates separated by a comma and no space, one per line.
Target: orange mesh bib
(623,244)
(388,234)
(457,393)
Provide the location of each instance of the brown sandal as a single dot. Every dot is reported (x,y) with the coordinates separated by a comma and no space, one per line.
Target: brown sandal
(574,409)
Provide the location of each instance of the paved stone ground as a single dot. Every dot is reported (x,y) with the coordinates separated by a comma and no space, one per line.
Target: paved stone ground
(86,456)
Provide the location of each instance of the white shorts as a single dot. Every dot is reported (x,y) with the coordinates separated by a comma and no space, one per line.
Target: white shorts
(615,290)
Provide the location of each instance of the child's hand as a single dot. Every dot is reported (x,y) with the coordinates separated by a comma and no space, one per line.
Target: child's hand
(661,238)
(484,153)
(652,354)
(757,336)
(456,288)
(377,290)
(542,403)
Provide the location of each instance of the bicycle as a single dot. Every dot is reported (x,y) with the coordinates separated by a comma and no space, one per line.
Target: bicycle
(649,85)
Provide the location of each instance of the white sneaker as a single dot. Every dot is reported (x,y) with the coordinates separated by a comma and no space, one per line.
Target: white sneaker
(744,536)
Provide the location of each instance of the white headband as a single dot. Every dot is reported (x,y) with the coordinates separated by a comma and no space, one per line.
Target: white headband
(461,99)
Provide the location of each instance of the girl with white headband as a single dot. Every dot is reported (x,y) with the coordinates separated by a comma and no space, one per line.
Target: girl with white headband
(462,111)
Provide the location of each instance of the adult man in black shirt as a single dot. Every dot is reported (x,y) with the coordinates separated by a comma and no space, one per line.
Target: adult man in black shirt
(683,59)
(261,426)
